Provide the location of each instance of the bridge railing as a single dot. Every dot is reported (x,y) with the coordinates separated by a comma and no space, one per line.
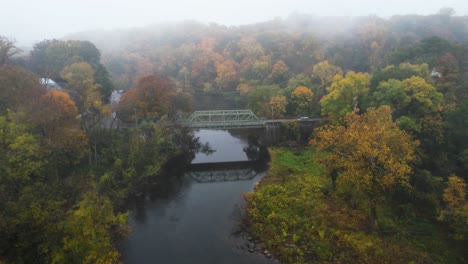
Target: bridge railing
(233,119)
(222,116)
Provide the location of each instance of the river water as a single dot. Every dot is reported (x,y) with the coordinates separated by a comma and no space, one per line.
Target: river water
(196,219)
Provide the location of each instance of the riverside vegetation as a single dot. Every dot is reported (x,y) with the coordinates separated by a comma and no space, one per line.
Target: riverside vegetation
(351,195)
(296,214)
(385,181)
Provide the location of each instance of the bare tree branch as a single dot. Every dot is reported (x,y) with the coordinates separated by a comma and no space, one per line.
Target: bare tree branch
(7,50)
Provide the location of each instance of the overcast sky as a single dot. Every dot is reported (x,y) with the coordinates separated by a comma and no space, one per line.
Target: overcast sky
(29,21)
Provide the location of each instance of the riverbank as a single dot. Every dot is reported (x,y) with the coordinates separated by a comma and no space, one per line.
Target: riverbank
(192,215)
(296,215)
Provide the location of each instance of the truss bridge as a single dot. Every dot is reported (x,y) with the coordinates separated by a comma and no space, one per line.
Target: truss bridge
(224,119)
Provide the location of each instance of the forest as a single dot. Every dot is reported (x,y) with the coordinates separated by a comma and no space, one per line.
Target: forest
(383,181)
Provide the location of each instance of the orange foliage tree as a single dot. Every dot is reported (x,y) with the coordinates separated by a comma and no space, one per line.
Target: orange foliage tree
(150,99)
(57,117)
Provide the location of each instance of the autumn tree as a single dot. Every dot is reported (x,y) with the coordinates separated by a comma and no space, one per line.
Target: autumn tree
(345,95)
(302,98)
(278,106)
(80,79)
(150,99)
(279,74)
(368,154)
(412,97)
(401,72)
(299,80)
(87,238)
(259,70)
(456,211)
(417,108)
(249,50)
(226,77)
(49,58)
(57,117)
(323,74)
(244,88)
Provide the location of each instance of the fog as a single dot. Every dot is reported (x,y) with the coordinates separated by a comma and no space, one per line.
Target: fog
(29,21)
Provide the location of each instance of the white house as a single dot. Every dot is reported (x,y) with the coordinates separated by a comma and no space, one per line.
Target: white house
(49,84)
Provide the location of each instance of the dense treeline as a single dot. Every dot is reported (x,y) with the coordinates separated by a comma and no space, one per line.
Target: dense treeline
(309,66)
(394,157)
(264,63)
(65,171)
(389,169)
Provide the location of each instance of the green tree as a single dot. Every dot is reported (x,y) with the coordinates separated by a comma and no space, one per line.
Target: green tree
(345,94)
(259,70)
(400,72)
(417,108)
(39,61)
(80,78)
(448,82)
(259,99)
(88,232)
(23,164)
(412,97)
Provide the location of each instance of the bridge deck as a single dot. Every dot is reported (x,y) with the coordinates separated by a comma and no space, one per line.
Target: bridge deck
(225,119)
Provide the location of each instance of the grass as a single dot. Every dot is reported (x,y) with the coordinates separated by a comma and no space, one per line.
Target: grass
(296,216)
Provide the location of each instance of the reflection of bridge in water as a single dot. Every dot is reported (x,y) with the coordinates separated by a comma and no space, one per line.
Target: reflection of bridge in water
(223,171)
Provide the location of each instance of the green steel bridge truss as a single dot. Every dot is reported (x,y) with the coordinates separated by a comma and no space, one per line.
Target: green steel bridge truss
(223,119)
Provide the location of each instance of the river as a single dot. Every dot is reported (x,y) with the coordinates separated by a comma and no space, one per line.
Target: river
(196,219)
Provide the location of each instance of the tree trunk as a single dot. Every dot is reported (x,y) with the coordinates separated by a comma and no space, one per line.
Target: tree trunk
(375,221)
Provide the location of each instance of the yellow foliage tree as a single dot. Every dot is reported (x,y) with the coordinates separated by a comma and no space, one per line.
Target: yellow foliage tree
(278,105)
(244,88)
(456,211)
(454,194)
(368,153)
(302,98)
(324,72)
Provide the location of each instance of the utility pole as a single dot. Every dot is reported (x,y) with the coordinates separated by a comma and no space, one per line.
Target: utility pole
(272,115)
(274,125)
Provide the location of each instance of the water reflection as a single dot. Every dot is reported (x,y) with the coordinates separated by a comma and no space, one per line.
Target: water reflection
(190,214)
(223,171)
